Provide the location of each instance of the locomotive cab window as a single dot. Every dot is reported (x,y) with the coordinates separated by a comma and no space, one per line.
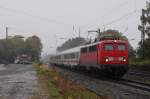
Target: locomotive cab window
(108,47)
(121,47)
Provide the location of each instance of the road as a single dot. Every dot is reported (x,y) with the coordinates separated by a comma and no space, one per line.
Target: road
(19,82)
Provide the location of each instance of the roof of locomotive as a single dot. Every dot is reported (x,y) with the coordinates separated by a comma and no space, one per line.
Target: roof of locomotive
(116,41)
(77,49)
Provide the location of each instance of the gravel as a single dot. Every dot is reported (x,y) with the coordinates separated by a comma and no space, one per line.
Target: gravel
(138,75)
(107,88)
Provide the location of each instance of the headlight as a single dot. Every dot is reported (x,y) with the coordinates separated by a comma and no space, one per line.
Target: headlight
(124,60)
(106,60)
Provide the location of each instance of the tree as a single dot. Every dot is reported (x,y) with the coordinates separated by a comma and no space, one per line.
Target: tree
(15,46)
(10,48)
(74,42)
(33,47)
(112,34)
(2,50)
(145,21)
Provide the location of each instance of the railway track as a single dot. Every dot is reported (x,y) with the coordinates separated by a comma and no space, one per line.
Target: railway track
(135,84)
(130,83)
(143,74)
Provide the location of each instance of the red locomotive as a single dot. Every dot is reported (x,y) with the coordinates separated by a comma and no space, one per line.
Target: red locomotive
(110,56)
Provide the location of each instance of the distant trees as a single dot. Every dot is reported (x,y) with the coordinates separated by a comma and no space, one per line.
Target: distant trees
(145,20)
(74,42)
(33,47)
(14,46)
(112,34)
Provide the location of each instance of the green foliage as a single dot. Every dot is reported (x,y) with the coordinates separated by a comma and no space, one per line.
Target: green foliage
(141,64)
(10,48)
(53,90)
(146,48)
(112,34)
(33,47)
(146,21)
(74,42)
(14,46)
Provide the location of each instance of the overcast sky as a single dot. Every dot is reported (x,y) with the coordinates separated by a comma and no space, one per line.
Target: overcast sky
(54,19)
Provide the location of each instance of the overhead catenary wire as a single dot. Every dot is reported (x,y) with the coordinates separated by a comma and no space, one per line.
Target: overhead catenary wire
(34,16)
(110,11)
(120,18)
(125,16)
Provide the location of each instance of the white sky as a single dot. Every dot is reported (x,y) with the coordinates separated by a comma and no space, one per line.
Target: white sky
(54,19)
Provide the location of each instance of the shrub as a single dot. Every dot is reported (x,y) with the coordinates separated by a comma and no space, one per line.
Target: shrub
(140,64)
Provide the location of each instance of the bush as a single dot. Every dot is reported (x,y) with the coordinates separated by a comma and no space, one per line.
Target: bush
(140,64)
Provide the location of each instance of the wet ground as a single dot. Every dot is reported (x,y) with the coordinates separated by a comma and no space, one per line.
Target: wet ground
(19,82)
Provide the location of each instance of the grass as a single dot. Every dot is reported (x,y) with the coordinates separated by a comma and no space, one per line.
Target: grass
(140,64)
(60,87)
(53,90)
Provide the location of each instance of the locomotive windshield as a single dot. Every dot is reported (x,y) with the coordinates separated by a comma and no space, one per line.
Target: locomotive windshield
(109,47)
(121,47)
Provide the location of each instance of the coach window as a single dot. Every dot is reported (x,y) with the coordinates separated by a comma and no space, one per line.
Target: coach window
(109,47)
(72,55)
(65,56)
(77,55)
(121,47)
(83,50)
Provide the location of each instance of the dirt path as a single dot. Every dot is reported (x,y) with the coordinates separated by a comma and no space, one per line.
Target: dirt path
(19,82)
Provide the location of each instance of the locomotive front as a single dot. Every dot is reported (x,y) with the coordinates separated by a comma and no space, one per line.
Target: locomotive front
(113,57)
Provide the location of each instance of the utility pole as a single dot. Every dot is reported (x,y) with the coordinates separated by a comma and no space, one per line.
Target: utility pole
(6,33)
(7,51)
(143,32)
(79,32)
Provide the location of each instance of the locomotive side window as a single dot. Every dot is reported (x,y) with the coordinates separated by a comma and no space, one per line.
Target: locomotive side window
(109,47)
(121,47)
(93,48)
(83,50)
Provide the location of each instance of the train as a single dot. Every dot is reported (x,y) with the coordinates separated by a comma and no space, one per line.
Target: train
(107,56)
